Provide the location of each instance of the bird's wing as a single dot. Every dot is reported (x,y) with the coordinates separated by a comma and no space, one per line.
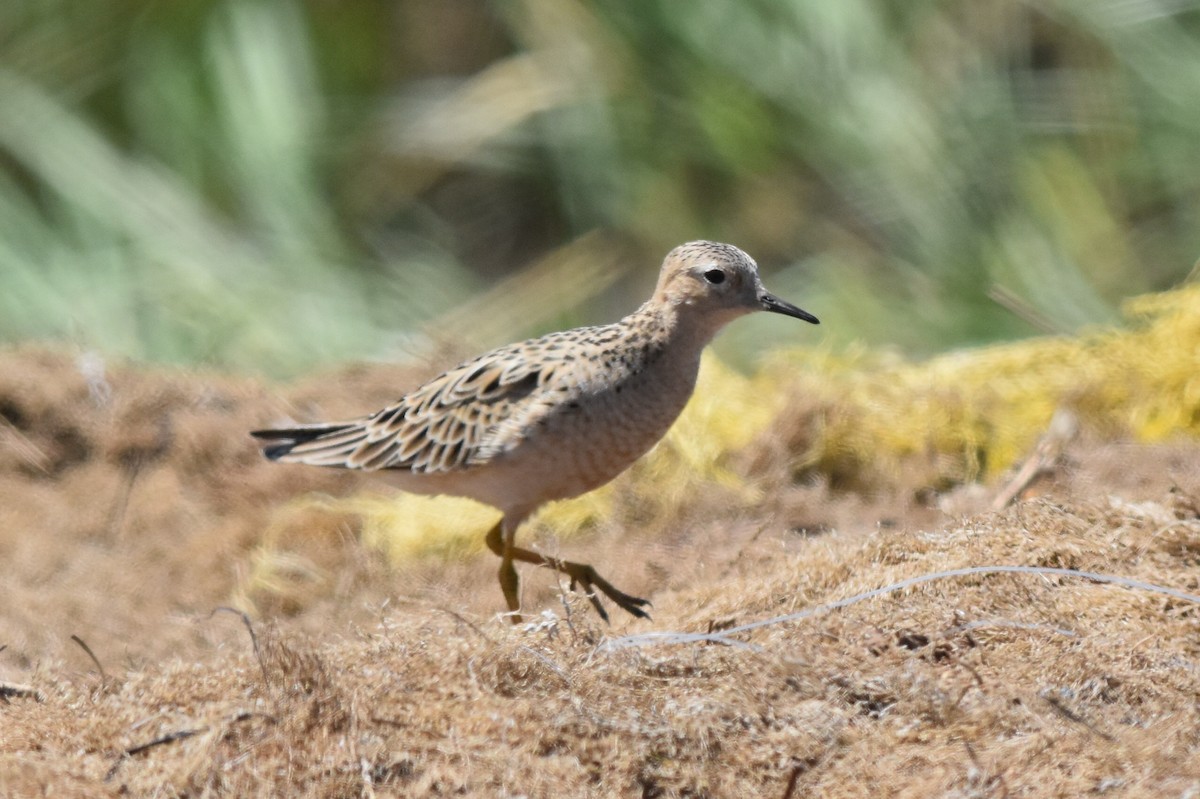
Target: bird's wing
(462,418)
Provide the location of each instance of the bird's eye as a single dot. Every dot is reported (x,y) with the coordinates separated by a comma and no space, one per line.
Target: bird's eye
(715,276)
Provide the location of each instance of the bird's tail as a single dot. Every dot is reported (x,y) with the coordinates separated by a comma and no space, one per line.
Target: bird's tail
(322,444)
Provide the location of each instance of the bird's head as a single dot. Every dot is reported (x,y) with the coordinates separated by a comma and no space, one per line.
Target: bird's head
(717,282)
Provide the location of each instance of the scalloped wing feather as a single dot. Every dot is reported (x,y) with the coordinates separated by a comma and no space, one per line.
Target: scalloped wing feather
(464,417)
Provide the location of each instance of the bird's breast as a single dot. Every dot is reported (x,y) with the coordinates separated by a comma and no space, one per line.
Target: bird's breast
(607,423)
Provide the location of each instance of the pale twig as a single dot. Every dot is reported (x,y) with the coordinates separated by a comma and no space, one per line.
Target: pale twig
(1013,302)
(1063,428)
(653,638)
(18,690)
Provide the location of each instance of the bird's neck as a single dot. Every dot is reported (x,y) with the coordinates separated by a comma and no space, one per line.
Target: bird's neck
(682,332)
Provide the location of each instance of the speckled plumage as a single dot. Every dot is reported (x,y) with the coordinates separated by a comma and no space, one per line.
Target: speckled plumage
(552,417)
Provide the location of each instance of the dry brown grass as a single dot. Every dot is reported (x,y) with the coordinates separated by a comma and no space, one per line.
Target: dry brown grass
(129,522)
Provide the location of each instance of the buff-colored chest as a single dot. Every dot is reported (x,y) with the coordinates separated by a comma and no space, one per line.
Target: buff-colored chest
(603,411)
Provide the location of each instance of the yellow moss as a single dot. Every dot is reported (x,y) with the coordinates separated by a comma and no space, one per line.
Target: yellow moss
(971,414)
(277,569)
(402,525)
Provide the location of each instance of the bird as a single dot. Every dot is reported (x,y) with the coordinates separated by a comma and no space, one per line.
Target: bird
(551,417)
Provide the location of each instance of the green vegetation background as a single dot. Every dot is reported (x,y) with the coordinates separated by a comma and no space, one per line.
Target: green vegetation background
(271,185)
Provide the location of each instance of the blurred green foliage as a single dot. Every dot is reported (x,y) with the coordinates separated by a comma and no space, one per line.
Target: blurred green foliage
(268,184)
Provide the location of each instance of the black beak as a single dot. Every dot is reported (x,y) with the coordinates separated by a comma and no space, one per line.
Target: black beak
(775,305)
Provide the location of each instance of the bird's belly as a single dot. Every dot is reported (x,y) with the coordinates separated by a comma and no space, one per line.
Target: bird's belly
(584,447)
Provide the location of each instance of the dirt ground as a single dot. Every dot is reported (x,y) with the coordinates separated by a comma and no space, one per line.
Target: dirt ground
(133,508)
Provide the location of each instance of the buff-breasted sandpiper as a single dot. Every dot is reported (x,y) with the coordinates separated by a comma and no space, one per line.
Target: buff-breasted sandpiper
(552,417)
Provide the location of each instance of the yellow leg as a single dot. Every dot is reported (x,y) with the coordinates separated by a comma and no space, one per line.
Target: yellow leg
(500,541)
(510,583)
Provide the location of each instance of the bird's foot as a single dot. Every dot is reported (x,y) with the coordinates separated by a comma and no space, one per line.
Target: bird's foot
(589,580)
